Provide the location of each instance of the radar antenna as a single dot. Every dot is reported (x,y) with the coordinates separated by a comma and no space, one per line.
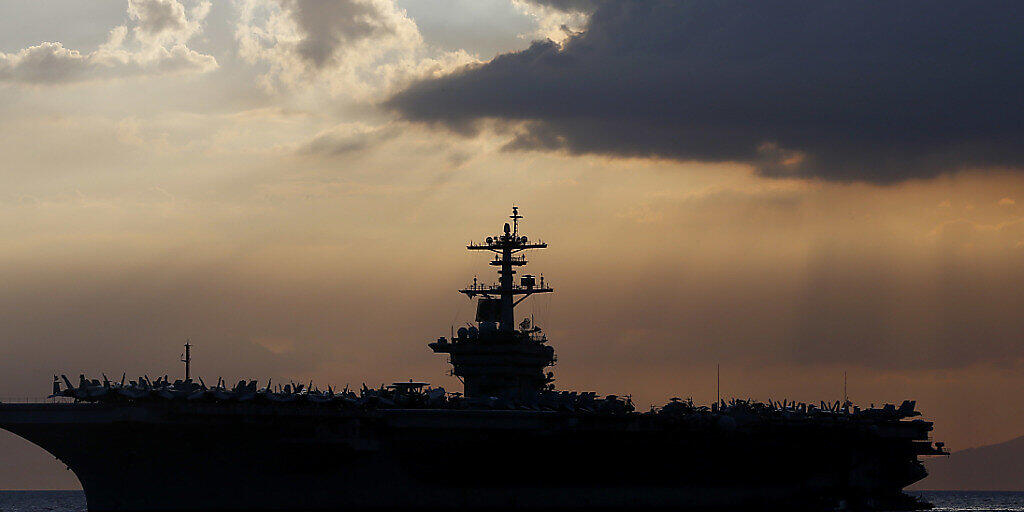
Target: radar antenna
(515,220)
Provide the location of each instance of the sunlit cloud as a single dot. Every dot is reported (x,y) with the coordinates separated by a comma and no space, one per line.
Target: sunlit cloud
(153,42)
(355,48)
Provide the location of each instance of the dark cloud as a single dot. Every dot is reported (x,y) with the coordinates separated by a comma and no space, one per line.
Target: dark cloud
(866,91)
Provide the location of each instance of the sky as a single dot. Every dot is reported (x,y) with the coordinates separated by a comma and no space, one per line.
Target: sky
(793,190)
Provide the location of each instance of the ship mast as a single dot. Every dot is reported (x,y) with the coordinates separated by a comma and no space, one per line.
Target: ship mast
(506,246)
(187,359)
(495,359)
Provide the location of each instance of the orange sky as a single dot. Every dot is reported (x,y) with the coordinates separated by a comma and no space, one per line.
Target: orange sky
(270,212)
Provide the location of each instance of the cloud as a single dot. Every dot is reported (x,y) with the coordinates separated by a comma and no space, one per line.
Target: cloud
(581,6)
(960,234)
(356,47)
(44,63)
(328,28)
(152,43)
(158,16)
(556,20)
(346,139)
(167,20)
(870,91)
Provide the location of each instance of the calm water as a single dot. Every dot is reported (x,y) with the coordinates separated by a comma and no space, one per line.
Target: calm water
(988,501)
(74,501)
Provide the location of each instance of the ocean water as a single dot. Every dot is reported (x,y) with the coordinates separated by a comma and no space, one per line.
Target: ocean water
(944,501)
(981,501)
(33,501)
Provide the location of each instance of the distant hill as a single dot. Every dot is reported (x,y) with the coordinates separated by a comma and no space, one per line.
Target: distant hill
(996,467)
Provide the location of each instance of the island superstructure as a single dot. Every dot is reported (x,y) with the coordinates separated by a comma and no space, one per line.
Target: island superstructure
(497,359)
(510,440)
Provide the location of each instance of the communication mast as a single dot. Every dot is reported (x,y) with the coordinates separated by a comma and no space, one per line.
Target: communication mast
(495,358)
(187,359)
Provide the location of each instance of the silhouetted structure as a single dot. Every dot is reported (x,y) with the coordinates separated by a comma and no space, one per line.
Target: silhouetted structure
(496,359)
(511,441)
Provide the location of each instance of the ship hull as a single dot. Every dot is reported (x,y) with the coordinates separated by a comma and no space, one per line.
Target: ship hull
(267,457)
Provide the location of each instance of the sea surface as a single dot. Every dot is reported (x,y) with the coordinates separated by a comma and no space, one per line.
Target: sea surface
(975,501)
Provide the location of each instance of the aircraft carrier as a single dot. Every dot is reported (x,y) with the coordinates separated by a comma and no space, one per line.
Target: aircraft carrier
(510,440)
